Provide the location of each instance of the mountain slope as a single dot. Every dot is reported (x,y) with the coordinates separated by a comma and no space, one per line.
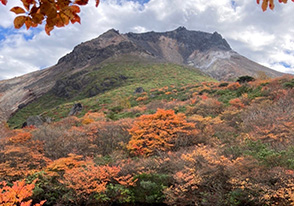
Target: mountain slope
(70,77)
(97,87)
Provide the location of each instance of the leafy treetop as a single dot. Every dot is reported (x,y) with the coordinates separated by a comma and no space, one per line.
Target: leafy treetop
(55,12)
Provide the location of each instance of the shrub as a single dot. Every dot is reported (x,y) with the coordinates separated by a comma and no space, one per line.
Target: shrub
(234,86)
(140,99)
(149,188)
(60,140)
(203,179)
(223,84)
(20,137)
(106,137)
(289,84)
(206,107)
(20,155)
(89,182)
(237,103)
(17,194)
(244,79)
(157,132)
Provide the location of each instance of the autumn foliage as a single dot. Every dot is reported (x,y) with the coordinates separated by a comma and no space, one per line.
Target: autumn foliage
(57,13)
(208,145)
(17,194)
(157,132)
(96,177)
(270,3)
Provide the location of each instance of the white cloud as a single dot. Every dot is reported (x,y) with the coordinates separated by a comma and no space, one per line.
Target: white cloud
(265,37)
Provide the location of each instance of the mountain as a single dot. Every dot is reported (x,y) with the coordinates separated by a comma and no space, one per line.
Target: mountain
(75,75)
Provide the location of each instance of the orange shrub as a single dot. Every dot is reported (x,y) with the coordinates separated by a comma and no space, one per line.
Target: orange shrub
(91,117)
(140,99)
(89,180)
(18,194)
(157,132)
(234,86)
(59,166)
(20,155)
(19,161)
(237,103)
(87,120)
(20,137)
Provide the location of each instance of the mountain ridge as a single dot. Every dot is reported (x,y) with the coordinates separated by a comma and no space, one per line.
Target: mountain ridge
(207,51)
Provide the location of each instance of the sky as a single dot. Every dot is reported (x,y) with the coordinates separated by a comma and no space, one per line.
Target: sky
(264,37)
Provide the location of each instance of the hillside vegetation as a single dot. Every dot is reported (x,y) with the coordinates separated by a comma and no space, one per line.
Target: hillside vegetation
(111,86)
(185,140)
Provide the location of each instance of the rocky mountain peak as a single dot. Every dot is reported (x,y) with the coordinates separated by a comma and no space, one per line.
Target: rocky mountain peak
(208,52)
(110,34)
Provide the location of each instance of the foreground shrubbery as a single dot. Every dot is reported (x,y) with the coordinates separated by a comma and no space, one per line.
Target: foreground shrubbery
(220,145)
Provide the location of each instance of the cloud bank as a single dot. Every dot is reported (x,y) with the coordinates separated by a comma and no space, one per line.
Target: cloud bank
(265,37)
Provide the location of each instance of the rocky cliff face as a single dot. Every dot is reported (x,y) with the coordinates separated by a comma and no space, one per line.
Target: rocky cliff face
(208,52)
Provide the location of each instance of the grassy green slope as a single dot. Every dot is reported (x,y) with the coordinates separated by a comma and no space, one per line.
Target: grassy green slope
(138,74)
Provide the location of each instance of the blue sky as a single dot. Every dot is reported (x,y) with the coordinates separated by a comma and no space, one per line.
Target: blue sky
(265,37)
